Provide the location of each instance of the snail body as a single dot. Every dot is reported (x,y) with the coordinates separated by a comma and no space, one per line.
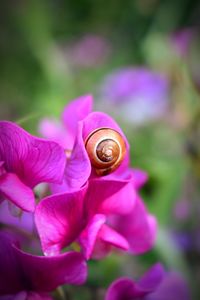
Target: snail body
(106,149)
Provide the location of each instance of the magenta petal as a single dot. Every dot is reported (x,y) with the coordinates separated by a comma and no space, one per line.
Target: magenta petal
(34,160)
(59,220)
(141,234)
(122,289)
(156,284)
(78,167)
(126,289)
(138,227)
(88,236)
(110,236)
(98,120)
(110,196)
(76,111)
(16,191)
(46,273)
(10,281)
(25,272)
(152,279)
(2,169)
(139,177)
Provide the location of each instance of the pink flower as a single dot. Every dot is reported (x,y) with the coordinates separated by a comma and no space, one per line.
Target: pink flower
(89,51)
(88,208)
(79,122)
(156,284)
(28,277)
(26,161)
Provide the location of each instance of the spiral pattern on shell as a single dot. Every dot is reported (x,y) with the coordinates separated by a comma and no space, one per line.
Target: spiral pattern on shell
(106,149)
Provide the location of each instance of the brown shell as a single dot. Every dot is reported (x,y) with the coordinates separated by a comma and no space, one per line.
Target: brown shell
(106,149)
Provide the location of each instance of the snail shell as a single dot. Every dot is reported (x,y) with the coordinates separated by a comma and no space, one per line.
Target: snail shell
(106,149)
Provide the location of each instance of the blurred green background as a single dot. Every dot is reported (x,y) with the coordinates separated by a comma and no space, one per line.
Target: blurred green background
(42,68)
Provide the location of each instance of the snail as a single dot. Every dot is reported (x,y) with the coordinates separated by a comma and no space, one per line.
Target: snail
(106,149)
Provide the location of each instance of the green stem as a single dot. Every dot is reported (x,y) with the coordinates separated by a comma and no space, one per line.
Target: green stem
(61,295)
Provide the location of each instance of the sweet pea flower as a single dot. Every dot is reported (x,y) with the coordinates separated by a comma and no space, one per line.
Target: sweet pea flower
(28,277)
(156,284)
(26,161)
(87,208)
(89,51)
(102,214)
(79,122)
(136,94)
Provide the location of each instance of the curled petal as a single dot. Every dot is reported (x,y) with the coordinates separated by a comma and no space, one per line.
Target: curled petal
(34,160)
(47,273)
(110,236)
(97,120)
(78,167)
(59,220)
(97,238)
(106,239)
(156,284)
(122,289)
(21,271)
(152,278)
(88,236)
(125,288)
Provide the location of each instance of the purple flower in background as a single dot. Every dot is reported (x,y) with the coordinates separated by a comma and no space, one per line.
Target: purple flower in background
(27,277)
(182,209)
(186,237)
(136,94)
(89,51)
(181,41)
(156,284)
(186,43)
(26,161)
(183,240)
(88,207)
